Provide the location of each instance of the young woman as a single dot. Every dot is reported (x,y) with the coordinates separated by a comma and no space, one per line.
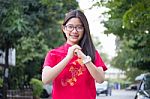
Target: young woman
(74,67)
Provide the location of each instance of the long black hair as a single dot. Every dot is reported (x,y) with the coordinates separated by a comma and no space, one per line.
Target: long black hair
(86,42)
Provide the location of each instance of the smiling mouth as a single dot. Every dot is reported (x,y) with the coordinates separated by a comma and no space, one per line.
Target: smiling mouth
(74,36)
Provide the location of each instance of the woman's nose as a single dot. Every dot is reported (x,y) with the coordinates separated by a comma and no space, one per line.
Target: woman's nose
(74,30)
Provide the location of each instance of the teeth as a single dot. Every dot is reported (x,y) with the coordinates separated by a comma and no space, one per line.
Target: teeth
(74,36)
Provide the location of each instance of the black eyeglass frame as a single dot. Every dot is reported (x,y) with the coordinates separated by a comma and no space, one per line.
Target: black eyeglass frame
(77,28)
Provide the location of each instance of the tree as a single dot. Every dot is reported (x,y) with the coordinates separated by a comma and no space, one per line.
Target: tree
(22,21)
(30,55)
(129,22)
(12,27)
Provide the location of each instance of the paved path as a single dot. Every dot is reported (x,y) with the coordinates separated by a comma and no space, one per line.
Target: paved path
(119,94)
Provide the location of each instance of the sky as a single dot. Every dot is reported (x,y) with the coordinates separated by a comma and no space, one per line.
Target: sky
(94,18)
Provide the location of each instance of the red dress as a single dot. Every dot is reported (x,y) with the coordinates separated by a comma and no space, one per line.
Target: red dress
(75,81)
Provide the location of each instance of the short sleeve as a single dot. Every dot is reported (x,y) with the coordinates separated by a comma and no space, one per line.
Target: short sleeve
(99,62)
(50,59)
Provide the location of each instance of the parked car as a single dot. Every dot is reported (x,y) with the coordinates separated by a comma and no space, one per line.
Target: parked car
(143,91)
(132,87)
(103,88)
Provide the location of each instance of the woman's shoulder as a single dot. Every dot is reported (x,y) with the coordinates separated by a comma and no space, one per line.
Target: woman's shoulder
(58,50)
(96,51)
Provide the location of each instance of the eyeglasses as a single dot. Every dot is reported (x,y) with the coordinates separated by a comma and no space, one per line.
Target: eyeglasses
(71,28)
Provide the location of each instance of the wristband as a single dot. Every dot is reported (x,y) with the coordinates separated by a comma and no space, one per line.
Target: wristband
(86,59)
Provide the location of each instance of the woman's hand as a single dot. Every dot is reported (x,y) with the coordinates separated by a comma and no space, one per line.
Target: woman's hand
(71,50)
(80,54)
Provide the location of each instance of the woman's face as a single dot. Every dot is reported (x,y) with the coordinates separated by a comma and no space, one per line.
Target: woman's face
(73,30)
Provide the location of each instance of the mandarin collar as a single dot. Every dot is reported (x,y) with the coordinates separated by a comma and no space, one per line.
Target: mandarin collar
(66,45)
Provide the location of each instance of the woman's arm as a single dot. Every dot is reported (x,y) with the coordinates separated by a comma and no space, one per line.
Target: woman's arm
(96,72)
(50,73)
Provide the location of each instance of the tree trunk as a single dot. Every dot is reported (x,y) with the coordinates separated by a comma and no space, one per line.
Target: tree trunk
(5,74)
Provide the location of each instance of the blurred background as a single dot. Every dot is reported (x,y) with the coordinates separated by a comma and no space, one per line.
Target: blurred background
(120,31)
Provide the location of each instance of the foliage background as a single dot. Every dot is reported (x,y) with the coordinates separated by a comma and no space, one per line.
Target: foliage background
(129,21)
(32,27)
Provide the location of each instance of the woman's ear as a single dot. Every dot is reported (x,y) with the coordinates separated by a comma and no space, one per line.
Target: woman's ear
(62,28)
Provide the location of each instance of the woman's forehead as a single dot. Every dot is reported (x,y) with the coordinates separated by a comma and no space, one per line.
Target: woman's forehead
(74,21)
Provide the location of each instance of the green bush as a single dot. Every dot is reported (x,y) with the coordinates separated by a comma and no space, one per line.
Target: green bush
(37,86)
(1,82)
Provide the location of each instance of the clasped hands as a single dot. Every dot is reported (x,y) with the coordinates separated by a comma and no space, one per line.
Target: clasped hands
(75,50)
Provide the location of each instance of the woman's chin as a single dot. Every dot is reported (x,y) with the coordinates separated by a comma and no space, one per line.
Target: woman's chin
(73,41)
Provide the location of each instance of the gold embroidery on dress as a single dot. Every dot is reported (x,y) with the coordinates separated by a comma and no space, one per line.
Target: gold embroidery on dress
(75,72)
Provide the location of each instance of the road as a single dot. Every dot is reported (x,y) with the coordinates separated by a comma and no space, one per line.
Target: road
(119,94)
(116,94)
